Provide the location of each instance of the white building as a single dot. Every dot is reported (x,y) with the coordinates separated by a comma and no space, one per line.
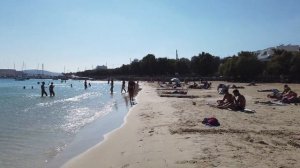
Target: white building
(102,67)
(265,55)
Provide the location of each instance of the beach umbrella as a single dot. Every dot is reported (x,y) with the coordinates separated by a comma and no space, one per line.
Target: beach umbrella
(175,80)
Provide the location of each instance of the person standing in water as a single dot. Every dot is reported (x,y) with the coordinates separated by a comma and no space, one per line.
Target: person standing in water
(131,89)
(51,90)
(85,84)
(43,89)
(123,86)
(112,86)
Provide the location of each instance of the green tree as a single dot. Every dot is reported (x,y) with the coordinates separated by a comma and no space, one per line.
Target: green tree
(148,64)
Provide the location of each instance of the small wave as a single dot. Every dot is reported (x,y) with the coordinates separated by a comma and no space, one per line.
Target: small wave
(79,97)
(80,117)
(71,99)
(53,151)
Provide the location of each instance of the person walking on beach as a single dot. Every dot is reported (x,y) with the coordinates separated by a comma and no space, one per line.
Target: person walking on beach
(123,86)
(131,89)
(43,89)
(85,84)
(51,90)
(112,86)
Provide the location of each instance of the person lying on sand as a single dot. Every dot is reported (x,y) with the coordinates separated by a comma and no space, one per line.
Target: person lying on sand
(227,101)
(275,94)
(237,87)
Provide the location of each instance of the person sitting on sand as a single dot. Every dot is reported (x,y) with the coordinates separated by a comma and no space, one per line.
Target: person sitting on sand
(227,101)
(239,101)
(290,97)
(276,94)
(206,85)
(286,90)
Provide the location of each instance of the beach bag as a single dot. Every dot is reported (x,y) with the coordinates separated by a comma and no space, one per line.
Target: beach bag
(211,121)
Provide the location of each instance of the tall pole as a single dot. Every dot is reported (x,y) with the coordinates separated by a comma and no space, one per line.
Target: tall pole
(43,69)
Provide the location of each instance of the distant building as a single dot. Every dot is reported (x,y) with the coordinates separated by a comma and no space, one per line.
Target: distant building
(293,48)
(266,54)
(9,73)
(102,67)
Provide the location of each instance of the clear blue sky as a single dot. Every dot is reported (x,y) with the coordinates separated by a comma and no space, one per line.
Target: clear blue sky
(85,33)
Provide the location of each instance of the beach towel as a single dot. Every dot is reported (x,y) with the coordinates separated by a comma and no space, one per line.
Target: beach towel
(212,121)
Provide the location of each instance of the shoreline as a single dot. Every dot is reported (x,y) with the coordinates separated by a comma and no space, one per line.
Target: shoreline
(167,132)
(94,133)
(106,136)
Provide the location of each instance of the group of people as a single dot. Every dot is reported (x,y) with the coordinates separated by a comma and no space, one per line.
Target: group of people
(202,85)
(287,96)
(51,90)
(131,89)
(85,84)
(132,86)
(236,102)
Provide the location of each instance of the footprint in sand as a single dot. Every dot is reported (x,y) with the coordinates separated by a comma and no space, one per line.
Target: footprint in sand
(126,165)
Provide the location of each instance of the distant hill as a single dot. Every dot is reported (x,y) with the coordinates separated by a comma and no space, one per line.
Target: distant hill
(33,72)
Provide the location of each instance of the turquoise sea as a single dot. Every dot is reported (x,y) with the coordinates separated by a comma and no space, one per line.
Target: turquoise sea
(48,131)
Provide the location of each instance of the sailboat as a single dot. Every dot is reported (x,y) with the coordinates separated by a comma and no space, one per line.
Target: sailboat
(21,78)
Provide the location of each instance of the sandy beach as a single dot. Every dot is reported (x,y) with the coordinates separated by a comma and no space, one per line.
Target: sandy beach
(167,132)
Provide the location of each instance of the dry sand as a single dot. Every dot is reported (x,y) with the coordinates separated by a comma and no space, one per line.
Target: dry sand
(167,132)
